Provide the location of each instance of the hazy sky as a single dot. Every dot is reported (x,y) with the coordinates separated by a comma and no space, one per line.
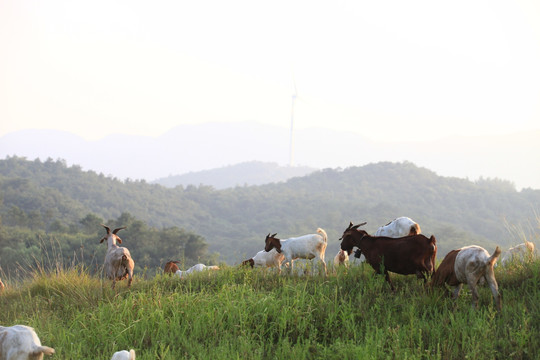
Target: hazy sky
(385,69)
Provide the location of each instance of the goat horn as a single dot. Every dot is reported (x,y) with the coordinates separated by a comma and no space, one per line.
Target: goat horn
(107,228)
(117,230)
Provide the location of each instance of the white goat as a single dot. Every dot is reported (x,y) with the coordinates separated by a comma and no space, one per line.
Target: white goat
(468,265)
(341,258)
(402,226)
(194,269)
(124,355)
(522,252)
(266,259)
(21,342)
(303,247)
(118,261)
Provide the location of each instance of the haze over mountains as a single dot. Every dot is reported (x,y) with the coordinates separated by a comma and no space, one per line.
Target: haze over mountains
(193,148)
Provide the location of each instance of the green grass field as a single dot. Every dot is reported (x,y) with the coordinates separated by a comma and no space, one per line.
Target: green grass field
(238,313)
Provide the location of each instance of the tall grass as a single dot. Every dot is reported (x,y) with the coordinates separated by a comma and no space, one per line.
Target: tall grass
(252,314)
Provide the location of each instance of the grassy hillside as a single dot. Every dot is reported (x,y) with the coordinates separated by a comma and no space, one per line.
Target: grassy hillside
(244,314)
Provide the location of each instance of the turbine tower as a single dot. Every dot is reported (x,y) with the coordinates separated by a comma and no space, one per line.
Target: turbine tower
(291,139)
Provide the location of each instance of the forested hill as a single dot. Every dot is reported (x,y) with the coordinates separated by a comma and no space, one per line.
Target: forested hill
(234,221)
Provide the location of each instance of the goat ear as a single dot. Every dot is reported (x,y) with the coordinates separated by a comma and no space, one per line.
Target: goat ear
(274,235)
(118,239)
(267,236)
(362,224)
(102,240)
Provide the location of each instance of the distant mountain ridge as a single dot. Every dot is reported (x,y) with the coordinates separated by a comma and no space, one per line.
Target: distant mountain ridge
(194,148)
(248,173)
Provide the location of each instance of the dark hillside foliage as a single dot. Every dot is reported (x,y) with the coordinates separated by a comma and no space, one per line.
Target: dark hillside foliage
(78,245)
(50,196)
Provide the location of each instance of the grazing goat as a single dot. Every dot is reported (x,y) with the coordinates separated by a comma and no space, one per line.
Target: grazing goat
(21,342)
(171,267)
(266,259)
(303,247)
(407,255)
(402,226)
(341,258)
(468,265)
(118,261)
(194,269)
(124,355)
(522,252)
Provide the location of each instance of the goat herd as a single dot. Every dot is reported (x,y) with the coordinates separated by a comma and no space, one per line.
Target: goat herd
(397,247)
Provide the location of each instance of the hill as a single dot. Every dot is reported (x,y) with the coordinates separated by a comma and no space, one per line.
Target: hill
(234,221)
(248,173)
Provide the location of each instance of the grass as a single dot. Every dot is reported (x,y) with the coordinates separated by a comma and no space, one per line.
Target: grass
(252,314)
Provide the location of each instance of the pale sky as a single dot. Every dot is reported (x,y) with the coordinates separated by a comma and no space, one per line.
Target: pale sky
(389,70)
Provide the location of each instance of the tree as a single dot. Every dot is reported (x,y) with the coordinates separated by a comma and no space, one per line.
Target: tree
(90,223)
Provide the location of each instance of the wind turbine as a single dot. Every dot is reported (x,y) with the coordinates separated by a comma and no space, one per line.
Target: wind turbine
(291,139)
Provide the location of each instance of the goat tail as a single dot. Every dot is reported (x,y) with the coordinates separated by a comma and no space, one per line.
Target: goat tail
(323,234)
(43,350)
(493,258)
(131,354)
(128,262)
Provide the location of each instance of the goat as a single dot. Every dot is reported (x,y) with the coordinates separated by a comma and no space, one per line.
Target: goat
(468,265)
(341,258)
(402,226)
(266,259)
(20,342)
(522,252)
(118,261)
(407,255)
(303,247)
(124,355)
(194,269)
(171,267)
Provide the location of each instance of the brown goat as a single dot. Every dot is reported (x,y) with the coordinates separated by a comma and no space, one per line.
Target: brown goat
(170,267)
(407,255)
